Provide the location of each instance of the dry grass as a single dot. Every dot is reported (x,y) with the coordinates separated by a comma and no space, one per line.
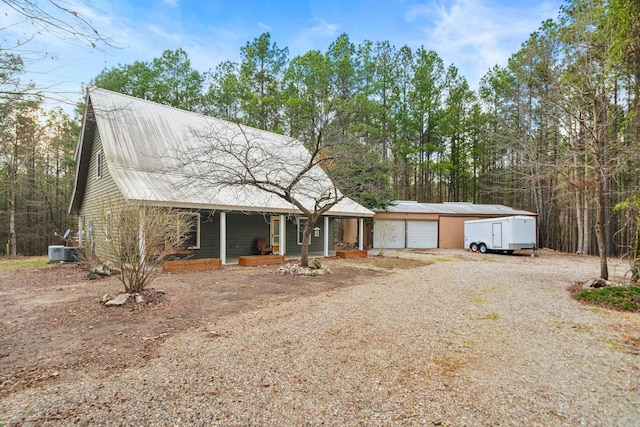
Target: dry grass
(400,263)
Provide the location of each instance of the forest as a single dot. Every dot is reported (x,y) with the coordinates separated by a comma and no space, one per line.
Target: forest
(556,131)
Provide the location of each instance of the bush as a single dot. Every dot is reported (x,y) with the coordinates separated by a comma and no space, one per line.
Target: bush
(625,298)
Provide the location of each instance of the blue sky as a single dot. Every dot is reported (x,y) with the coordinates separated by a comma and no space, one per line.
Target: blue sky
(473,35)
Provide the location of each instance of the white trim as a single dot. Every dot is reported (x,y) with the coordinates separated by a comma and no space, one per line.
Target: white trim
(300,232)
(197,223)
(275,230)
(360,233)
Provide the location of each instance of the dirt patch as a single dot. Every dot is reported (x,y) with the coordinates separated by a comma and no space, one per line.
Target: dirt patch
(54,326)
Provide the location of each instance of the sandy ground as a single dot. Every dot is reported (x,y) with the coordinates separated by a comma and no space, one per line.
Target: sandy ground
(412,338)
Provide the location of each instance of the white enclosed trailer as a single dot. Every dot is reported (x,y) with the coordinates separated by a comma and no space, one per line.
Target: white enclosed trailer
(506,234)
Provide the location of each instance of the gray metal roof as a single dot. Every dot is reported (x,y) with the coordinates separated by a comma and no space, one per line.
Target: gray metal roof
(145,144)
(402,206)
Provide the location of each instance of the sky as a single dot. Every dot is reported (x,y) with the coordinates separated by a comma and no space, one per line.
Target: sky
(473,35)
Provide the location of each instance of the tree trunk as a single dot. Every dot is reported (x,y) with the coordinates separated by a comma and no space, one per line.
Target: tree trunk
(306,239)
(13,242)
(599,228)
(13,178)
(579,223)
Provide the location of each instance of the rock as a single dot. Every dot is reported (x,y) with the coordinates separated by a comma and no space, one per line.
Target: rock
(599,283)
(119,300)
(101,271)
(105,298)
(315,264)
(298,270)
(139,299)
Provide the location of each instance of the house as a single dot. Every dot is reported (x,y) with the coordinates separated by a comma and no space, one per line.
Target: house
(132,151)
(408,224)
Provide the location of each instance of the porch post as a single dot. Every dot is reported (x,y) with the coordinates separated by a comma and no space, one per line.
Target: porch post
(141,237)
(282,224)
(223,237)
(360,233)
(326,236)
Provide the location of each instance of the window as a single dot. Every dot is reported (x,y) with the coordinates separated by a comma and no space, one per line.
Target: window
(193,235)
(302,223)
(99,164)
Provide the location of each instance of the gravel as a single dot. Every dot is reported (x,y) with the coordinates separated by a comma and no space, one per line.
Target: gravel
(468,340)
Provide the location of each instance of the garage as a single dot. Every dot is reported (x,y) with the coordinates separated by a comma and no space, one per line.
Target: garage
(422,234)
(409,224)
(389,234)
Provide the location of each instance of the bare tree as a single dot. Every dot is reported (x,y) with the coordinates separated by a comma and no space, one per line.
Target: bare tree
(31,20)
(264,169)
(58,18)
(140,238)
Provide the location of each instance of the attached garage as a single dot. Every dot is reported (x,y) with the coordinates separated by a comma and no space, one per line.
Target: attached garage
(407,224)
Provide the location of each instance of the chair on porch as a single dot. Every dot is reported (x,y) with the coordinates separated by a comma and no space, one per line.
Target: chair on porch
(263,248)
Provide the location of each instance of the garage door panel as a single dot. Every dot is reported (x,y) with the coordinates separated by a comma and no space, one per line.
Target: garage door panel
(422,234)
(389,234)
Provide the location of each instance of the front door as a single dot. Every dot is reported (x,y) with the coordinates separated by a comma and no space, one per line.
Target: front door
(275,234)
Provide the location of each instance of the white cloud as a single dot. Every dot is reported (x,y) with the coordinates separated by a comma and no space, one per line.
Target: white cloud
(171,3)
(475,35)
(319,33)
(159,31)
(264,27)
(322,28)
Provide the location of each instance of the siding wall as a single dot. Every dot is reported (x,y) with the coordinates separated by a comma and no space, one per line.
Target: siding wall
(101,194)
(451,232)
(243,230)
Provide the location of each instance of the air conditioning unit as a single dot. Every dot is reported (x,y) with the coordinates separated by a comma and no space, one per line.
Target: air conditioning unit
(55,253)
(70,254)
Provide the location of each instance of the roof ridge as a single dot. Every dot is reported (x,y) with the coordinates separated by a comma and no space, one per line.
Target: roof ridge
(171,107)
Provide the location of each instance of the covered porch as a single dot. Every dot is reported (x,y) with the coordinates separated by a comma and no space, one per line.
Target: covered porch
(230,235)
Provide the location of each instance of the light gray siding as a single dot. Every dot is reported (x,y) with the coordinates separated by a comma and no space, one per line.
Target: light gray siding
(100,195)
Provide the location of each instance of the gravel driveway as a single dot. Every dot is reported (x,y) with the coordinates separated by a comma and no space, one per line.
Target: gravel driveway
(471,339)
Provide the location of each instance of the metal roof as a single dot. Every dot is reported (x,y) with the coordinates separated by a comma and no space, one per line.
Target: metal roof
(402,206)
(145,144)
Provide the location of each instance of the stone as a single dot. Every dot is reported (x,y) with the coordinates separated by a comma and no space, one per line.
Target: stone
(599,283)
(139,299)
(298,270)
(101,271)
(315,264)
(119,300)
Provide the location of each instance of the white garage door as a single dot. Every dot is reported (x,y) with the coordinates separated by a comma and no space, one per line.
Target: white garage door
(422,234)
(388,234)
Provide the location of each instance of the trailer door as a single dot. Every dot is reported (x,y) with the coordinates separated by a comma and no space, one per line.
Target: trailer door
(497,235)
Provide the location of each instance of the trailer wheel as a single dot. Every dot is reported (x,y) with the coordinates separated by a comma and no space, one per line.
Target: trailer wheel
(483,248)
(474,247)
